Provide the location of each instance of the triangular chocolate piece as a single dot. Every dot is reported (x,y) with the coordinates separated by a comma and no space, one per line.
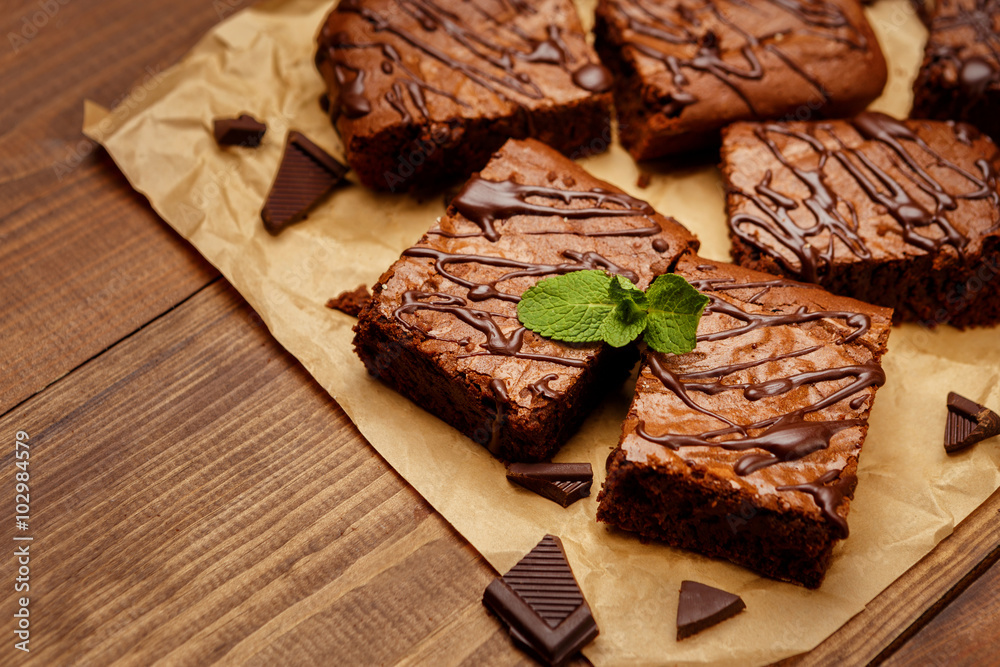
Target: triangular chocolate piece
(243,131)
(564,483)
(702,606)
(968,423)
(306,173)
(542,605)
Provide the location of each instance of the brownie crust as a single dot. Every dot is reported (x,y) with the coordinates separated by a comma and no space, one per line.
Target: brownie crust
(960,75)
(422,92)
(905,214)
(747,447)
(682,72)
(442,325)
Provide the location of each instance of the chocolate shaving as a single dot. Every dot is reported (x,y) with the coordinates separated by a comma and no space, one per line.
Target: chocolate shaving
(542,605)
(243,131)
(702,606)
(968,423)
(306,173)
(351,302)
(564,483)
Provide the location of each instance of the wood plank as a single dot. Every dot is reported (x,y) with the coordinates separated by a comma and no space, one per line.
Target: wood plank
(85,260)
(196,496)
(966,632)
(901,610)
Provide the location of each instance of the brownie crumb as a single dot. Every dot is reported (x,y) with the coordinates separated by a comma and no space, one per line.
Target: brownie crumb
(350,302)
(643,180)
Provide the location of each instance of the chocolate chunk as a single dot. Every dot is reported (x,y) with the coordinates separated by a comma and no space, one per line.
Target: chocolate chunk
(564,483)
(351,302)
(243,131)
(702,606)
(542,605)
(307,172)
(968,423)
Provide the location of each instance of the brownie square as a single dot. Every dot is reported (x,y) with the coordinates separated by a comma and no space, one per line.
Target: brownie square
(960,76)
(747,447)
(683,70)
(422,91)
(904,214)
(442,326)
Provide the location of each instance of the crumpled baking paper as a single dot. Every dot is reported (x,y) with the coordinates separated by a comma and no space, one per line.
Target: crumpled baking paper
(260,61)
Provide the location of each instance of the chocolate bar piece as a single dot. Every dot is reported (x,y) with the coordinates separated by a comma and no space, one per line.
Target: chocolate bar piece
(542,605)
(307,172)
(968,423)
(243,131)
(564,483)
(702,606)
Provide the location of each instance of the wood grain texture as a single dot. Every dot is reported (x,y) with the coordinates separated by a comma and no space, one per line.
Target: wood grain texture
(85,259)
(196,497)
(967,632)
(903,610)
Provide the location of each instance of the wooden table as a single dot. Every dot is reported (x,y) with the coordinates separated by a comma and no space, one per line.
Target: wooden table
(194,495)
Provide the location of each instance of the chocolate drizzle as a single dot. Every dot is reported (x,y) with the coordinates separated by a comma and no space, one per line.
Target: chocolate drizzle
(484,203)
(498,342)
(541,387)
(784,437)
(501,399)
(829,496)
(835,219)
(443,34)
(691,29)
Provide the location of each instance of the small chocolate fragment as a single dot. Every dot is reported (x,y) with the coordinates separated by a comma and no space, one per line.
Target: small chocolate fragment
(243,131)
(542,605)
(564,483)
(702,606)
(306,173)
(968,423)
(351,302)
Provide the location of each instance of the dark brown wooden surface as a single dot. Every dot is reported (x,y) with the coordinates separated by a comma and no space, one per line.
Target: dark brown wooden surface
(195,496)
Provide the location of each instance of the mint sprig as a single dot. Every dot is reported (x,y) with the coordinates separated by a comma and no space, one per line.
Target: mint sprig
(591,306)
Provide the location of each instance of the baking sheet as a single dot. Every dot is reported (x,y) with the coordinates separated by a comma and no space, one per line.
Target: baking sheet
(910,494)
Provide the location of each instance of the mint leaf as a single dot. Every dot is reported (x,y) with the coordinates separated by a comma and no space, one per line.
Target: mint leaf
(628,319)
(571,307)
(674,310)
(622,289)
(591,306)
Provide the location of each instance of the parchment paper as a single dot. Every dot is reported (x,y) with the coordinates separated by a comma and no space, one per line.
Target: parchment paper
(910,494)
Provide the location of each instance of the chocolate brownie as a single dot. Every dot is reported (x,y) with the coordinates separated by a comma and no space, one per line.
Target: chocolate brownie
(904,214)
(747,447)
(423,91)
(683,69)
(960,76)
(442,326)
